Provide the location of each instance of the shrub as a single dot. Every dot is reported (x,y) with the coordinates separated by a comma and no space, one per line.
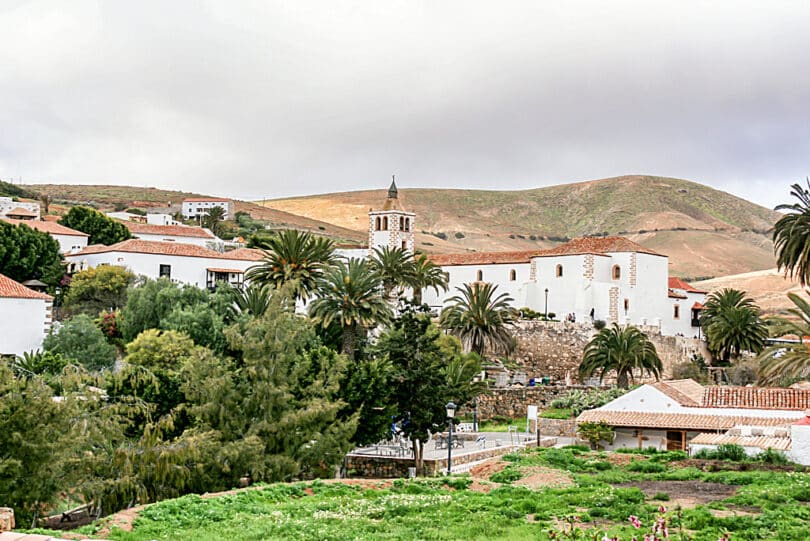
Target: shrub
(730,451)
(646,466)
(661,496)
(578,401)
(770,456)
(599,324)
(459,235)
(81,341)
(507,475)
(595,433)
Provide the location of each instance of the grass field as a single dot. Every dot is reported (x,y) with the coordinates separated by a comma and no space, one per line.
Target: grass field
(592,492)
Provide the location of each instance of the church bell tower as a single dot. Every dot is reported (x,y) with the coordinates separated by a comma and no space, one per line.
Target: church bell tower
(392,226)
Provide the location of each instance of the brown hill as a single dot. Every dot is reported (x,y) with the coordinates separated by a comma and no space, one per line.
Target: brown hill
(768,288)
(706,232)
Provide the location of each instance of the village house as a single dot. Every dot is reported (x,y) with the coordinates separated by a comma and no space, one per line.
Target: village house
(198,236)
(179,262)
(197,208)
(18,210)
(27,316)
(69,239)
(593,278)
(683,414)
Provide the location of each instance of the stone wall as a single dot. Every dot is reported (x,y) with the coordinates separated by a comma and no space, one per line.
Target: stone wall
(566,428)
(554,349)
(383,467)
(511,402)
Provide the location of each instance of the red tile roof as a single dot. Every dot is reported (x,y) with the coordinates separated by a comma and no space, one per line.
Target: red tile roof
(698,306)
(244,254)
(47,227)
(15,290)
(152,247)
(763,442)
(168,230)
(579,246)
(598,245)
(206,200)
(687,392)
(18,211)
(230,271)
(682,421)
(677,283)
(675,295)
(482,258)
(756,398)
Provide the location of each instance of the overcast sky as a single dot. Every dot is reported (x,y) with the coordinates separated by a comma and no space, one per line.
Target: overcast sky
(270,99)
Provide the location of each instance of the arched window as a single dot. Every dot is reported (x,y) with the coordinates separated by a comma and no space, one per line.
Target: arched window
(404,244)
(407,224)
(385,223)
(512,275)
(377,224)
(676,312)
(402,223)
(617,272)
(626,305)
(479,275)
(559,271)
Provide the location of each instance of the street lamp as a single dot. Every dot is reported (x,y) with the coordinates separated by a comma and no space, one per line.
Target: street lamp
(546,314)
(451,412)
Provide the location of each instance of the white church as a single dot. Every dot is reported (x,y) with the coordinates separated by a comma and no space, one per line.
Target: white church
(593,278)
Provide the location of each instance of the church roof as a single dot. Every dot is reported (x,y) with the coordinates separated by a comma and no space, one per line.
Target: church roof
(483,258)
(677,283)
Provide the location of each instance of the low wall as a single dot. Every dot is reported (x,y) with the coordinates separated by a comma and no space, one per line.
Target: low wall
(512,402)
(566,428)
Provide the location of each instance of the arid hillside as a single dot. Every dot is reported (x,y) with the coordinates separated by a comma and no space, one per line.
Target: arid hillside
(769,288)
(705,232)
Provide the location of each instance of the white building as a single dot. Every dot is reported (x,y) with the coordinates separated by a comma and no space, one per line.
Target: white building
(182,263)
(127,216)
(157,218)
(26,317)
(18,210)
(675,414)
(69,239)
(198,236)
(198,207)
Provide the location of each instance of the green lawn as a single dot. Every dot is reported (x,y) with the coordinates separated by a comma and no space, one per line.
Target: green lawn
(753,505)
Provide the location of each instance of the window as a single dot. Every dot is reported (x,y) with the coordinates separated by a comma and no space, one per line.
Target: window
(617,272)
(377,224)
(407,224)
(385,223)
(559,271)
(402,223)
(479,275)
(404,244)
(512,275)
(165,270)
(676,312)
(626,305)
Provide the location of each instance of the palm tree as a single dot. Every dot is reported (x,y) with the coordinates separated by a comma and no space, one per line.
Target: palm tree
(350,293)
(784,362)
(791,236)
(622,350)
(212,219)
(294,255)
(253,299)
(732,324)
(393,266)
(425,274)
(479,319)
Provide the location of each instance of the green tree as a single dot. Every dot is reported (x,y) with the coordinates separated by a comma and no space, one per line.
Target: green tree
(791,236)
(36,363)
(423,378)
(294,256)
(480,319)
(426,275)
(394,268)
(213,219)
(274,413)
(252,299)
(783,364)
(27,254)
(152,301)
(202,323)
(620,350)
(731,323)
(97,289)
(82,342)
(102,229)
(350,293)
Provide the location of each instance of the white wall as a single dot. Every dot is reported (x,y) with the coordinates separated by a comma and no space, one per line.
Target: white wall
(800,444)
(70,243)
(193,209)
(160,219)
(497,274)
(24,324)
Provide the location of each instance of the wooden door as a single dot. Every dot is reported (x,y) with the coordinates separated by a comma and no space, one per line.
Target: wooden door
(676,440)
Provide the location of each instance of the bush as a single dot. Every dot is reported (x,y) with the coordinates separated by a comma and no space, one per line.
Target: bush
(459,235)
(725,451)
(646,466)
(595,433)
(507,475)
(579,401)
(81,341)
(599,324)
(770,456)
(661,496)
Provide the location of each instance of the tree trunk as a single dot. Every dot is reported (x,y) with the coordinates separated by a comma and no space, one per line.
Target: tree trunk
(349,338)
(417,296)
(418,456)
(622,381)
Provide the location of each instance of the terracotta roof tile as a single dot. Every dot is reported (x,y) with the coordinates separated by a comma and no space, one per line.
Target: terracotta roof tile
(243,254)
(482,258)
(677,283)
(19,211)
(47,227)
(756,398)
(15,290)
(230,271)
(169,230)
(598,245)
(675,295)
(682,421)
(139,246)
(762,442)
(687,392)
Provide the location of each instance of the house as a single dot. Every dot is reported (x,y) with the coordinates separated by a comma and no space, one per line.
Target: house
(27,316)
(180,262)
(18,210)
(176,233)
(592,278)
(197,208)
(675,414)
(69,239)
(125,216)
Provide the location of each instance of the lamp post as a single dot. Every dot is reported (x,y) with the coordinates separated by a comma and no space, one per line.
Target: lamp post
(546,313)
(451,412)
